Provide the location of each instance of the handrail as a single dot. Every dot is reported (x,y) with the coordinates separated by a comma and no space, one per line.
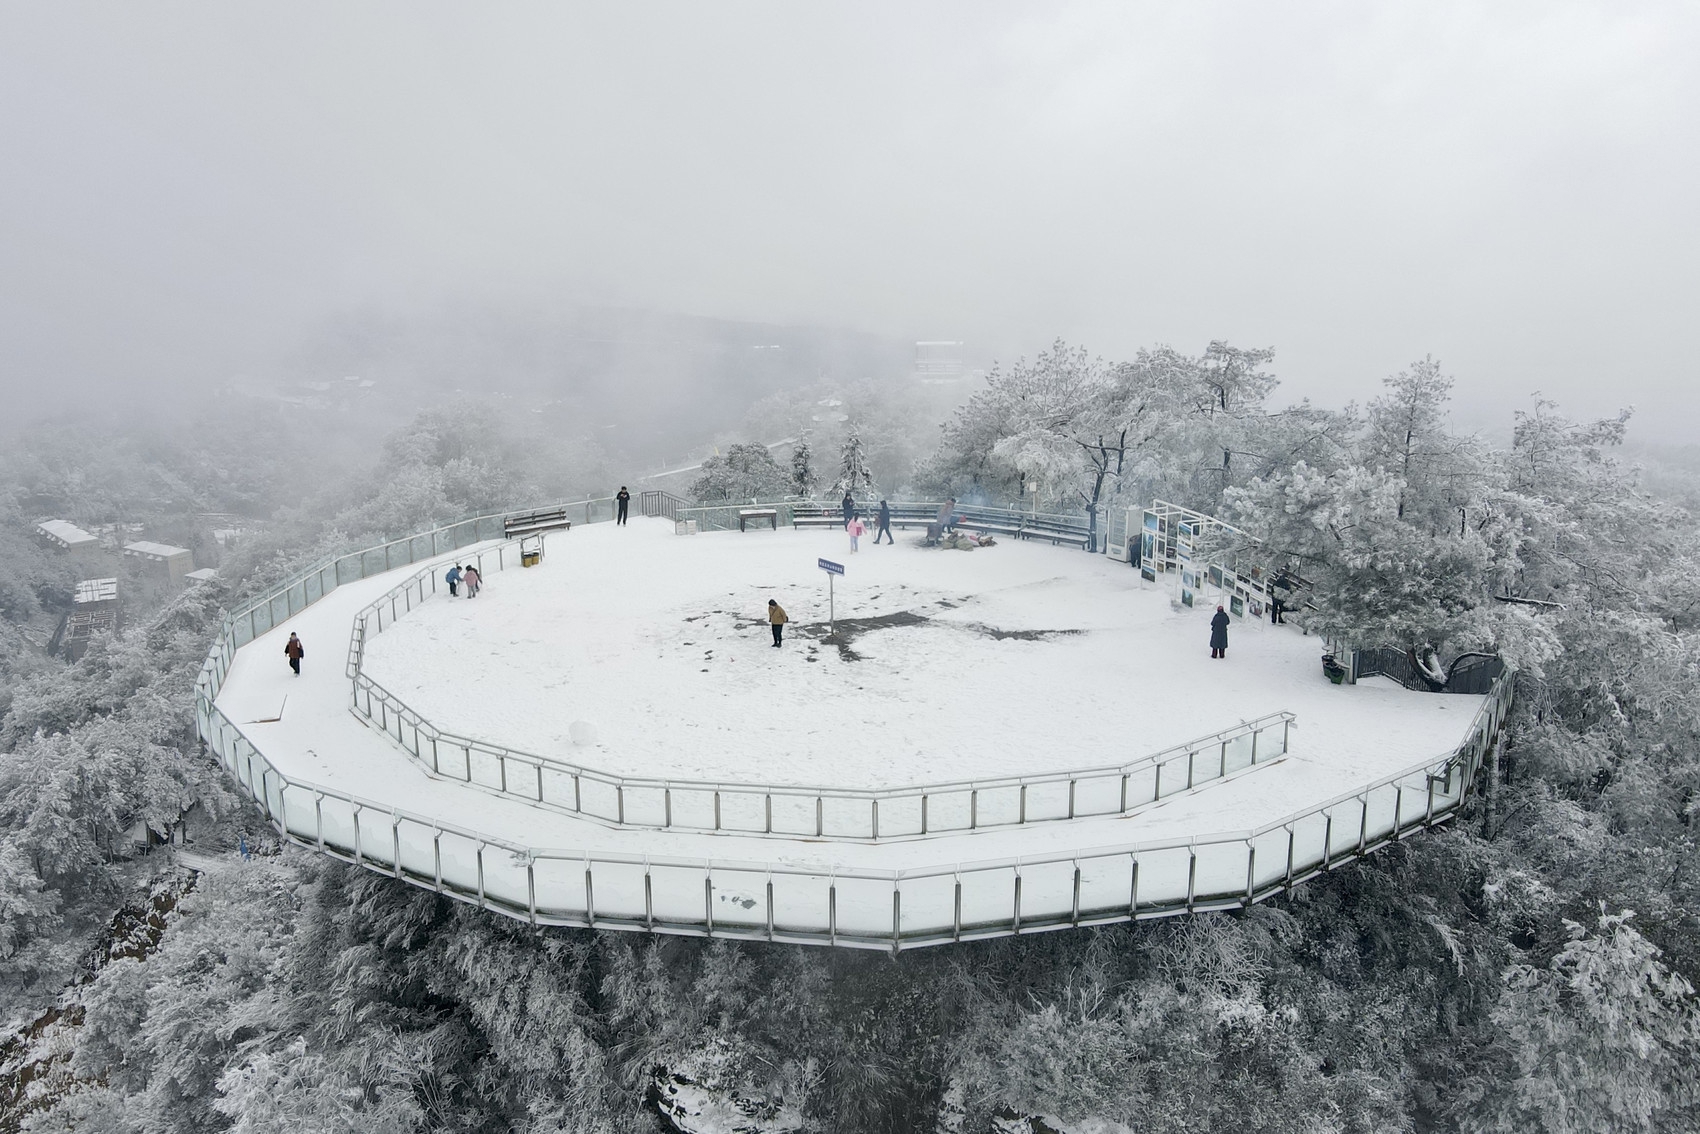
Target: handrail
(844,906)
(1122,794)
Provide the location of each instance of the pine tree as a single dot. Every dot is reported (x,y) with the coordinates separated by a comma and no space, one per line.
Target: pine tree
(802,469)
(854,477)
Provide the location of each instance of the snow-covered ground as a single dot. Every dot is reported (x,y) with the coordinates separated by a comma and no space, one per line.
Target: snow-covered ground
(1015,659)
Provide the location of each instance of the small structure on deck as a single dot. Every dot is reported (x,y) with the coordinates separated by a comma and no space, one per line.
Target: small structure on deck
(203,575)
(172,563)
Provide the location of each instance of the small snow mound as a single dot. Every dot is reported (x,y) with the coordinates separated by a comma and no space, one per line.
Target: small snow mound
(582,733)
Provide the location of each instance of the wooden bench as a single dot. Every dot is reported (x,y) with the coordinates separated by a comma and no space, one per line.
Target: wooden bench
(533,523)
(771,515)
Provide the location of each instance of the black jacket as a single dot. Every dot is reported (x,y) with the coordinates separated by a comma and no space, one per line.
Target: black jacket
(1219,631)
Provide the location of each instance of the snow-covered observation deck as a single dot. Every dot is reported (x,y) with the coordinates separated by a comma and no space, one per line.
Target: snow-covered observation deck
(999,741)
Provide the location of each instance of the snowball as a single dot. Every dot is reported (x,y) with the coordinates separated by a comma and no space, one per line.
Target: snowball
(582,733)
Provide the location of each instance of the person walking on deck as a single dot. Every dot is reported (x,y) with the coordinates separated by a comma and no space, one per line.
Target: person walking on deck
(1219,634)
(622,500)
(776,618)
(884,524)
(294,651)
(452,577)
(855,528)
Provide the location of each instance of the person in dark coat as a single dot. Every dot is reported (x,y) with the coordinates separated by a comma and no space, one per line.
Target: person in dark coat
(884,524)
(849,510)
(622,500)
(777,619)
(1219,634)
(294,651)
(452,577)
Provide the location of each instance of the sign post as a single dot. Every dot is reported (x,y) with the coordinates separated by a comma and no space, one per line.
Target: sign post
(832,571)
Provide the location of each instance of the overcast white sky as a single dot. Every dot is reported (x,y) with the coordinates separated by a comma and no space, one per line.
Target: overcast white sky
(189,189)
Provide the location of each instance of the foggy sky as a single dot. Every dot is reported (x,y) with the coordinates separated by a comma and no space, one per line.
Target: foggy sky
(187,190)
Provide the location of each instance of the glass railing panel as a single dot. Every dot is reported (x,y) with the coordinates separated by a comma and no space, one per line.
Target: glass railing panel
(1239,752)
(558,885)
(505,879)
(557,786)
(1309,841)
(900,816)
(948,810)
(646,805)
(800,902)
(794,815)
(998,806)
(297,812)
(599,798)
(1172,774)
(1047,890)
(988,896)
(865,906)
(1221,870)
(460,862)
(1381,810)
(693,808)
(418,849)
(1047,801)
(1348,816)
(1106,884)
(678,893)
(846,818)
(1141,785)
(929,905)
(372,563)
(739,897)
(739,810)
(1098,795)
(377,839)
(485,767)
(336,822)
(1271,858)
(1163,876)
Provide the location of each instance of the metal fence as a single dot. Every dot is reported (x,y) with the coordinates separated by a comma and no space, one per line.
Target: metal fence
(791,810)
(881,909)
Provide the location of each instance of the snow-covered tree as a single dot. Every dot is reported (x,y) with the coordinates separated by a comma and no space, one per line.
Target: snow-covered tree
(745,471)
(803,480)
(854,477)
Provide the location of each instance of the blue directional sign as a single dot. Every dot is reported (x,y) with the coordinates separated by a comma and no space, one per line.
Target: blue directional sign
(830,567)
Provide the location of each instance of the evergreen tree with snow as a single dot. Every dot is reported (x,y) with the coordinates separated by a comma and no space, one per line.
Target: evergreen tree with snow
(854,477)
(803,481)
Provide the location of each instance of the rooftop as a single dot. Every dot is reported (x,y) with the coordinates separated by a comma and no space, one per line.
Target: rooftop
(96,590)
(65,533)
(151,550)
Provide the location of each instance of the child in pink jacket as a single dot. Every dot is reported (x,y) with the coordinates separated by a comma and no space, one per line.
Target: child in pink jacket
(855,527)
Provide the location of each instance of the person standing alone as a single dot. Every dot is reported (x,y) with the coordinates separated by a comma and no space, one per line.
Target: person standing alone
(776,619)
(856,528)
(884,524)
(622,500)
(849,510)
(294,651)
(1219,634)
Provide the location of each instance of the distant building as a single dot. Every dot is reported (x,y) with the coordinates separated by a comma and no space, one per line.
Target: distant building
(204,575)
(67,537)
(939,361)
(173,564)
(94,609)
